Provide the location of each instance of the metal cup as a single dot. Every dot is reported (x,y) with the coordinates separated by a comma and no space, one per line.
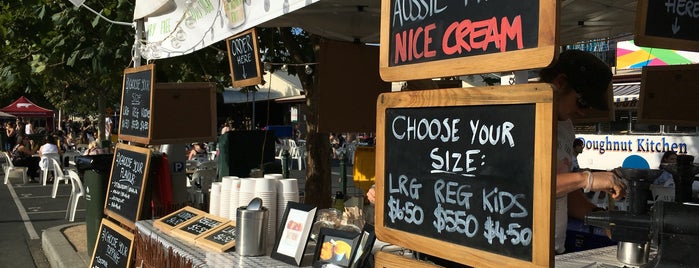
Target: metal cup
(633,253)
(251,231)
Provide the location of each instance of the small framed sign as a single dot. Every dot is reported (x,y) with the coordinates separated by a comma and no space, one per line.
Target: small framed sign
(114,246)
(335,248)
(366,243)
(127,184)
(244,59)
(219,239)
(167,223)
(293,233)
(198,227)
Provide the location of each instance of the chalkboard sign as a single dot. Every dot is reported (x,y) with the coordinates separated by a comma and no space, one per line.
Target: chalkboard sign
(244,59)
(180,216)
(113,247)
(468,168)
(667,24)
(198,226)
(126,183)
(452,38)
(134,120)
(219,239)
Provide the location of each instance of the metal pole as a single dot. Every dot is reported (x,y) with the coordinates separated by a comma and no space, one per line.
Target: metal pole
(343,172)
(140,26)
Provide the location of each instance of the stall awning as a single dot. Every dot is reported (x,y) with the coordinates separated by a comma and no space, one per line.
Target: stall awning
(277,85)
(626,95)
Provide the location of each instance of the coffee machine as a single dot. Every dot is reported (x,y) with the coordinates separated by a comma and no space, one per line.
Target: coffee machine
(672,225)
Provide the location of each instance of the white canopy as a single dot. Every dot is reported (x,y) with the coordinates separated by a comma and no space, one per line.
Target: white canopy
(277,85)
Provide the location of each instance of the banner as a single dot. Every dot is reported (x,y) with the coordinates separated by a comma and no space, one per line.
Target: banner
(196,24)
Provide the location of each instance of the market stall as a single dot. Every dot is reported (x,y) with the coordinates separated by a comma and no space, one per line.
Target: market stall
(40,116)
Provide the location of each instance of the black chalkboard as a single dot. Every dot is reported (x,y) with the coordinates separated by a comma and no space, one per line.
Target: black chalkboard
(223,236)
(415,32)
(126,183)
(244,59)
(134,122)
(198,226)
(458,180)
(667,24)
(467,169)
(113,247)
(175,218)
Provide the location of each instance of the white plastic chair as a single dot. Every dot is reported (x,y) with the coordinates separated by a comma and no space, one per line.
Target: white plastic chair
(298,153)
(58,176)
(46,166)
(76,192)
(12,169)
(71,157)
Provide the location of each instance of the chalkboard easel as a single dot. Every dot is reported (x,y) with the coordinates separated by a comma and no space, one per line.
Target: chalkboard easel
(113,248)
(127,182)
(465,174)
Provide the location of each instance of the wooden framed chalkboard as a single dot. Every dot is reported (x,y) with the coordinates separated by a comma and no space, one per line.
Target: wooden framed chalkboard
(465,174)
(198,226)
(452,38)
(219,239)
(167,223)
(669,95)
(667,24)
(244,59)
(113,247)
(127,181)
(136,97)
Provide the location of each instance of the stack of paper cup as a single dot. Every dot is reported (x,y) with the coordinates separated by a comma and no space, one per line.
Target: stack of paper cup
(224,207)
(287,191)
(235,198)
(266,189)
(246,192)
(274,176)
(215,199)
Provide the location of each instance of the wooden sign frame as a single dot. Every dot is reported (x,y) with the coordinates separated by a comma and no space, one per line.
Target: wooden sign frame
(184,235)
(668,95)
(252,80)
(204,242)
(131,223)
(130,137)
(165,227)
(541,96)
(121,231)
(540,56)
(641,38)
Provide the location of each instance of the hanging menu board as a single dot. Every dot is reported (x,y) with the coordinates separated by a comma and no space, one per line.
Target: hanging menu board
(136,96)
(127,182)
(469,170)
(452,38)
(244,59)
(667,24)
(113,247)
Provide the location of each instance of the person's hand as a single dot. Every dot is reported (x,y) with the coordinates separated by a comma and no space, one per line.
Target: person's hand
(371,195)
(610,183)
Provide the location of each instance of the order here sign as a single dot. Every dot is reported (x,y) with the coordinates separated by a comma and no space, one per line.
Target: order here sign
(427,38)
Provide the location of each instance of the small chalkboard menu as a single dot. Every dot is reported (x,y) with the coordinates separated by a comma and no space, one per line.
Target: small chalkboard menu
(136,96)
(452,38)
(167,223)
(113,247)
(127,181)
(219,239)
(470,170)
(667,24)
(244,59)
(198,226)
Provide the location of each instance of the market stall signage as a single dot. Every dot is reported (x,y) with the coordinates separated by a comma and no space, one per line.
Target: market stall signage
(244,59)
(136,96)
(113,248)
(468,169)
(672,24)
(220,239)
(677,83)
(199,226)
(167,223)
(127,182)
(428,39)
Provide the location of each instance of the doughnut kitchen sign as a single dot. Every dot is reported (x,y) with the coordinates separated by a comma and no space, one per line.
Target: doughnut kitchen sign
(437,38)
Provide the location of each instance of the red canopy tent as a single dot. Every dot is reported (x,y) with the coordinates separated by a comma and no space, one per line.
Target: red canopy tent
(23,107)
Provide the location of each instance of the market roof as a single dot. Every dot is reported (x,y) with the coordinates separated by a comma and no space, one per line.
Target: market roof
(26,108)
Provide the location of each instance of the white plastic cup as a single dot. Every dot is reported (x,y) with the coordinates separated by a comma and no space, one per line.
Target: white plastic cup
(266,186)
(290,185)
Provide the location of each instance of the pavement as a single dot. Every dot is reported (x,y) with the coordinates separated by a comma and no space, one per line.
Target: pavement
(65,246)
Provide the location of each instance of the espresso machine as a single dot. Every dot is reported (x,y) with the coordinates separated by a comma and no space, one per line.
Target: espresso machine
(674,226)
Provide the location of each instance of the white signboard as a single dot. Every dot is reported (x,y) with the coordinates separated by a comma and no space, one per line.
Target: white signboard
(196,24)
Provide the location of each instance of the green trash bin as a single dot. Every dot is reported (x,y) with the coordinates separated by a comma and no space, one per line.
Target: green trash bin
(94,170)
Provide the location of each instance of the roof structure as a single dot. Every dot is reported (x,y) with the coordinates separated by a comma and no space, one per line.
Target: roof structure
(25,108)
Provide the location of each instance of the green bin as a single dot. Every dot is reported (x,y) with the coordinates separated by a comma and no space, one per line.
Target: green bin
(94,170)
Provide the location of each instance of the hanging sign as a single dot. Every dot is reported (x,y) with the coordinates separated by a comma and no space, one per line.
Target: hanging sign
(136,96)
(470,170)
(450,38)
(672,24)
(244,59)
